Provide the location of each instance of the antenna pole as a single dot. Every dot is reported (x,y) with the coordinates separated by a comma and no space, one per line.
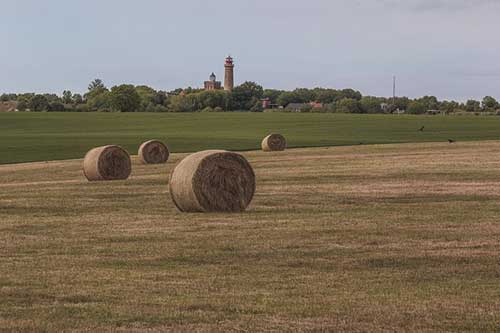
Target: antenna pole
(394,88)
(394,91)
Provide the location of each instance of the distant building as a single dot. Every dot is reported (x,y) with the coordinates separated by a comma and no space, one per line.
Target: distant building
(267,104)
(316,105)
(9,106)
(436,112)
(212,83)
(229,74)
(298,107)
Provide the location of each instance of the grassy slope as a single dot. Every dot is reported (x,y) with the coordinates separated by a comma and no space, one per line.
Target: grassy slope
(366,238)
(28,137)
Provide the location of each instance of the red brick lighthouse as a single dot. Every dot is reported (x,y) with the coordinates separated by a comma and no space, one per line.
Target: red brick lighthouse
(229,74)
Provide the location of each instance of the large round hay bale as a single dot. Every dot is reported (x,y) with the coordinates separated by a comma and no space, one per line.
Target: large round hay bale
(274,142)
(153,152)
(107,163)
(213,181)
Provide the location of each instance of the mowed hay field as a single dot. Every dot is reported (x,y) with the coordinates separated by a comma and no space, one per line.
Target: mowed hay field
(31,137)
(366,238)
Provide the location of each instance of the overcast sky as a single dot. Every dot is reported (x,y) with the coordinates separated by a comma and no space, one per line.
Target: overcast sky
(447,48)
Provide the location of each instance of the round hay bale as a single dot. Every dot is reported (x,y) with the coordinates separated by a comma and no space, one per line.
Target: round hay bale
(153,152)
(274,142)
(212,181)
(107,163)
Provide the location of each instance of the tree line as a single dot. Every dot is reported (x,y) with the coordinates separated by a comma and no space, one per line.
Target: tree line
(247,96)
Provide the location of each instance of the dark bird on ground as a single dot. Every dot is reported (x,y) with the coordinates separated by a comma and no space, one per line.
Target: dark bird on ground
(451,141)
(421,129)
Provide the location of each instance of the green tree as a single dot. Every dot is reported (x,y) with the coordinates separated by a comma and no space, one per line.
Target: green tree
(99,102)
(180,103)
(77,99)
(190,90)
(175,92)
(286,98)
(56,107)
(67,97)
(52,98)
(97,85)
(304,95)
(449,106)
(348,105)
(22,103)
(306,108)
(429,102)
(207,109)
(350,93)
(243,95)
(124,98)
(400,103)
(148,96)
(473,106)
(489,103)
(212,98)
(370,104)
(416,107)
(39,103)
(327,96)
(257,105)
(272,94)
(8,97)
(96,88)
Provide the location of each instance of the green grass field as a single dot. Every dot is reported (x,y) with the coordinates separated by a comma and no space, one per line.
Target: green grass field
(26,137)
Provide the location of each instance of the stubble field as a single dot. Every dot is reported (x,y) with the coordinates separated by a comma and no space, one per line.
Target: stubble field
(365,238)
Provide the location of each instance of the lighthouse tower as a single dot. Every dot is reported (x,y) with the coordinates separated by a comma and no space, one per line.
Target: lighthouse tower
(229,74)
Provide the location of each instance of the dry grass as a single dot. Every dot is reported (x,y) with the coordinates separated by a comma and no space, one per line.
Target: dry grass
(368,238)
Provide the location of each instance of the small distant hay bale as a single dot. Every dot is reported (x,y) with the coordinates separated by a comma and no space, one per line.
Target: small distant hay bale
(213,181)
(274,142)
(153,152)
(107,163)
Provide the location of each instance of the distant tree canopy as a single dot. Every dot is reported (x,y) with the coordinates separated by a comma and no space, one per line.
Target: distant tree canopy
(321,95)
(39,103)
(489,103)
(272,94)
(67,97)
(348,105)
(369,104)
(246,97)
(96,86)
(416,107)
(124,98)
(203,100)
(473,106)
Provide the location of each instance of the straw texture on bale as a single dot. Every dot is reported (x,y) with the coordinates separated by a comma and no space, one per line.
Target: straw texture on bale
(213,181)
(107,163)
(153,152)
(274,142)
